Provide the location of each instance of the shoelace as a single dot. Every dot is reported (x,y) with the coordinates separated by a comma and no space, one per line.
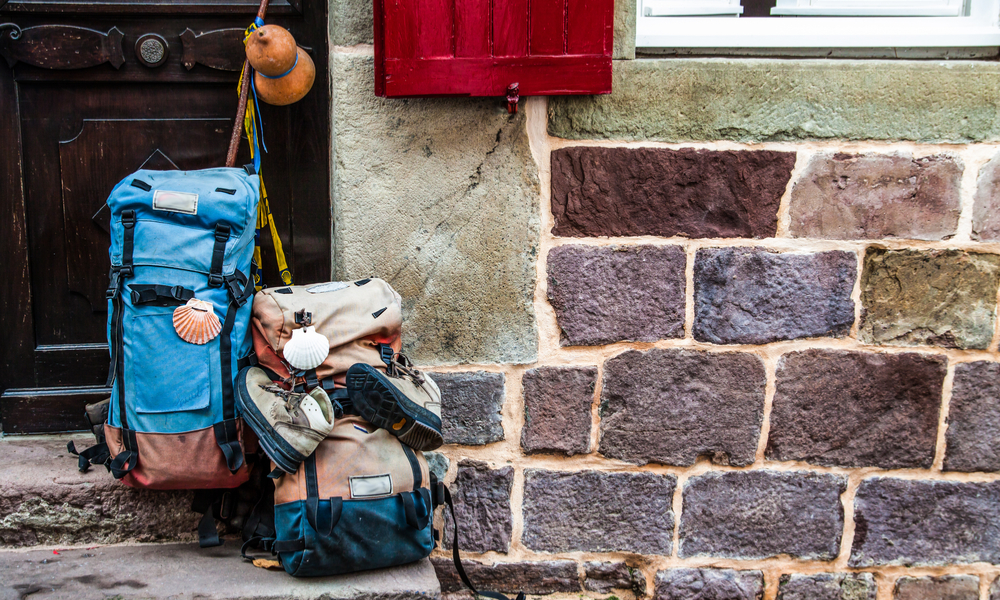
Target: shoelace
(292,399)
(400,366)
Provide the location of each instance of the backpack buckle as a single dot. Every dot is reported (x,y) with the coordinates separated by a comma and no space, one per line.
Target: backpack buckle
(222,232)
(115,286)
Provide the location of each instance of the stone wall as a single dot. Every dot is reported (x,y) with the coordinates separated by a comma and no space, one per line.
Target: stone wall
(729,332)
(765,370)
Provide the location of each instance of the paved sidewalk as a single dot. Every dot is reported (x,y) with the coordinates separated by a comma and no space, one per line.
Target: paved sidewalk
(186,571)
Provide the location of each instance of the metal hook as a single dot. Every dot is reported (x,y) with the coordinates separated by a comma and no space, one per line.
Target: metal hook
(15,32)
(512,98)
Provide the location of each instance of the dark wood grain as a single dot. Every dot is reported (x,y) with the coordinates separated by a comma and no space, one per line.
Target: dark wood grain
(63,47)
(16,322)
(153,7)
(221,49)
(71,134)
(51,410)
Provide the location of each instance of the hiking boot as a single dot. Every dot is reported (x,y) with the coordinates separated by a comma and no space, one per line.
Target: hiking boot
(401,400)
(289,424)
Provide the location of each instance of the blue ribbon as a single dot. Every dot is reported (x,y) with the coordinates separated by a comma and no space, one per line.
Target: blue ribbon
(286,72)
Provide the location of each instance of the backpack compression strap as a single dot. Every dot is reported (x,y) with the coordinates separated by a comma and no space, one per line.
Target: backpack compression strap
(126,460)
(443,496)
(226,433)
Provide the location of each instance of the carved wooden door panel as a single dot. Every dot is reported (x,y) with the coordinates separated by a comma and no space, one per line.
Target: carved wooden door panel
(90,92)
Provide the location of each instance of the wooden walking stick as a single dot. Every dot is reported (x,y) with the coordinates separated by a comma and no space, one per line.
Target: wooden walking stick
(241,108)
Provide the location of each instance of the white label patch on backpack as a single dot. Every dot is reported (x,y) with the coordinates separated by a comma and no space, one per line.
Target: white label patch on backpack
(371,486)
(181,202)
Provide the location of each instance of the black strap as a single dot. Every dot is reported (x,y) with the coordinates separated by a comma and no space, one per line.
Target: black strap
(218,253)
(228,437)
(126,460)
(415,518)
(418,479)
(159,295)
(312,500)
(226,434)
(98,454)
(458,559)
(117,277)
(386,352)
(128,222)
(289,545)
(208,533)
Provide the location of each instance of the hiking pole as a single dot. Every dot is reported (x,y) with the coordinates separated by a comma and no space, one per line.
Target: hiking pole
(241,108)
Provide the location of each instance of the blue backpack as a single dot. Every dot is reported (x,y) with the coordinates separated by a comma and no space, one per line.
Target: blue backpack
(178,235)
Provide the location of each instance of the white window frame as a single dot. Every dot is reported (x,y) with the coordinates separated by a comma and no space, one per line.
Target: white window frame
(979,27)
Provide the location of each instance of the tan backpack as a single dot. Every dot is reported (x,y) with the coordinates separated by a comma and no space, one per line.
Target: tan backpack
(357,317)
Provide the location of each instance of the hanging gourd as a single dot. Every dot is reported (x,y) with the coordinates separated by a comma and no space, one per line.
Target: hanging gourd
(283,72)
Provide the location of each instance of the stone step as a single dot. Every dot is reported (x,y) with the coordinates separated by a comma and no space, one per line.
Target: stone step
(187,571)
(45,500)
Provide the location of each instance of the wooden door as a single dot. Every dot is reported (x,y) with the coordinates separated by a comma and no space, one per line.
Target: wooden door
(90,92)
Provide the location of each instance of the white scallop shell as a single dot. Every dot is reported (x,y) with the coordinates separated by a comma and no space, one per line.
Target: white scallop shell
(196,323)
(307,349)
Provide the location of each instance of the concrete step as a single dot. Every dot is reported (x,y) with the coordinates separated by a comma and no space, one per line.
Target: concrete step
(187,571)
(45,500)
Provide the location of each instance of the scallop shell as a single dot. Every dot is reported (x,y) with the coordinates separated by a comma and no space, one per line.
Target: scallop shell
(307,349)
(195,322)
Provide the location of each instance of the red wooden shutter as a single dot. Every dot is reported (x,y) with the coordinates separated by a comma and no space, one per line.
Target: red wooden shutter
(479,47)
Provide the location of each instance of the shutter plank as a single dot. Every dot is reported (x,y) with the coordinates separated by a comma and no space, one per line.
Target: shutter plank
(401,23)
(472,28)
(435,28)
(551,75)
(510,27)
(590,24)
(547,27)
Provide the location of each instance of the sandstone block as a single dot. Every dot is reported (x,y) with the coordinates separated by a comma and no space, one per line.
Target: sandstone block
(530,577)
(756,296)
(672,406)
(856,409)
(604,577)
(593,511)
(755,100)
(481,496)
(828,586)
(655,191)
(906,522)
(438,464)
(606,295)
(557,402)
(715,584)
(440,198)
(994,591)
(986,204)
(863,197)
(929,297)
(973,434)
(470,407)
(351,23)
(947,587)
(760,514)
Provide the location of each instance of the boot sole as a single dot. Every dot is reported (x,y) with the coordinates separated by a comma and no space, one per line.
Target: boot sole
(383,405)
(281,452)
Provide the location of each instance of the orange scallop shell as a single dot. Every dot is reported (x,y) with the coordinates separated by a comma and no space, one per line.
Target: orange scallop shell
(196,323)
